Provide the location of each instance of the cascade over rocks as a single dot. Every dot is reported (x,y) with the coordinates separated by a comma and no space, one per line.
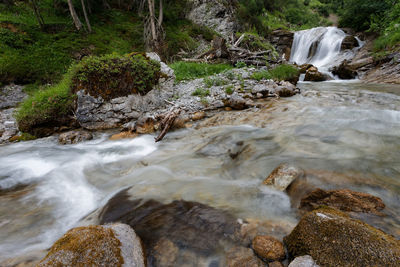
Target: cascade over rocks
(349,42)
(334,239)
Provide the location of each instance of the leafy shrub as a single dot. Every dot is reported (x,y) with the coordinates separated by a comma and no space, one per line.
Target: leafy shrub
(112,76)
(190,70)
(201,92)
(229,90)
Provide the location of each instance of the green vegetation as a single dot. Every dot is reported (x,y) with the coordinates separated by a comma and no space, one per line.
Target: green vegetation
(284,72)
(190,70)
(261,75)
(201,92)
(281,72)
(214,81)
(229,90)
(109,75)
(47,105)
(112,76)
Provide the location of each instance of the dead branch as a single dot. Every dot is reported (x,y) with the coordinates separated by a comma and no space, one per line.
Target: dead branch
(167,122)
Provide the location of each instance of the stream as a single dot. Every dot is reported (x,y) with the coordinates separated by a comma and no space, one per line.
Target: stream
(346,134)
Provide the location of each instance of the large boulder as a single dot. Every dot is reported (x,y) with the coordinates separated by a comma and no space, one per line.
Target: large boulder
(332,238)
(215,15)
(349,42)
(100,107)
(313,75)
(108,245)
(282,40)
(345,200)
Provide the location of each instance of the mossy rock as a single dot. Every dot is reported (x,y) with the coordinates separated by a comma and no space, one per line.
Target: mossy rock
(113,76)
(332,238)
(95,245)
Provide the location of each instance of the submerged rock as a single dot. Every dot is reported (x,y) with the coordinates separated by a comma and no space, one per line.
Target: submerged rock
(108,245)
(269,248)
(345,200)
(74,137)
(242,257)
(334,239)
(303,261)
(189,225)
(282,176)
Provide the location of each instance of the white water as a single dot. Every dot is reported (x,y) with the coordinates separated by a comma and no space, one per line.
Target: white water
(326,41)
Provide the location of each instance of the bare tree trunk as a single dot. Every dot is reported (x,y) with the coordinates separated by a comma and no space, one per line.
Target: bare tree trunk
(37,14)
(86,16)
(75,18)
(160,14)
(152,21)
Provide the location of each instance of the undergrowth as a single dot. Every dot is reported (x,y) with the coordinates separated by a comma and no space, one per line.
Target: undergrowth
(190,70)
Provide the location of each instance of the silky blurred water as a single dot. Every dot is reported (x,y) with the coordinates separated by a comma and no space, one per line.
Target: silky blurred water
(346,134)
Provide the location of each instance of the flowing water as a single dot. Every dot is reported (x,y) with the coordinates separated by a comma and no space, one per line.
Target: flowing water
(320,47)
(346,134)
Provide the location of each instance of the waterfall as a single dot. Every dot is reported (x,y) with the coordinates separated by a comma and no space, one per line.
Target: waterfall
(318,46)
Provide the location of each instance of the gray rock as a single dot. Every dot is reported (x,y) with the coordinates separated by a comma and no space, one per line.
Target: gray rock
(303,261)
(214,14)
(74,137)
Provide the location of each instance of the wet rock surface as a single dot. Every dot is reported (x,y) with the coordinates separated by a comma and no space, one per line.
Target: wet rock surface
(349,42)
(344,71)
(268,248)
(345,200)
(109,245)
(242,257)
(189,226)
(281,177)
(74,137)
(303,261)
(313,75)
(10,97)
(334,239)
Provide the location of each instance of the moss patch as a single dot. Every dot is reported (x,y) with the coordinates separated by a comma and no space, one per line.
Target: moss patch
(85,246)
(113,76)
(334,239)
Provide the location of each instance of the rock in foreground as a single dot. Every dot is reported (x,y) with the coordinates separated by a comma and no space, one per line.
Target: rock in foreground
(269,248)
(109,245)
(345,200)
(74,137)
(303,261)
(334,239)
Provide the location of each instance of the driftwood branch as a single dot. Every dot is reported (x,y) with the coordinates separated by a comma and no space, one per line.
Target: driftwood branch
(167,122)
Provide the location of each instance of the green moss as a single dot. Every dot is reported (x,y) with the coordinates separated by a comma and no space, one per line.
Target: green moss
(112,76)
(190,70)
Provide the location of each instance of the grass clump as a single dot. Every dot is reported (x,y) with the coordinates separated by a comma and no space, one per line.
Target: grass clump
(284,72)
(261,75)
(47,106)
(214,81)
(190,70)
(201,92)
(229,90)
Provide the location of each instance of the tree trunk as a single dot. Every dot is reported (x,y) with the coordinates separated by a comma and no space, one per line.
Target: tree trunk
(75,18)
(160,14)
(152,21)
(37,14)
(86,16)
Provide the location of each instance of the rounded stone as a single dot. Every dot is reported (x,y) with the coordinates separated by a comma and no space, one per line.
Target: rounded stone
(269,248)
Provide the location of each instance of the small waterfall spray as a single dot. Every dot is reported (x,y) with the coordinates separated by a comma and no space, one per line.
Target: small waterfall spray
(318,46)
